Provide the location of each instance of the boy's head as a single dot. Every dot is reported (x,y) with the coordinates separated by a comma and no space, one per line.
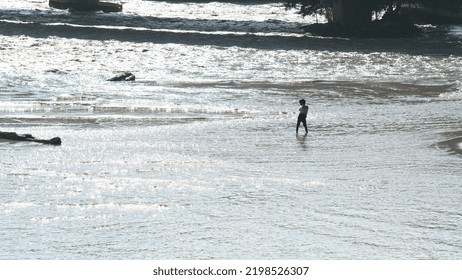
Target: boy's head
(302,102)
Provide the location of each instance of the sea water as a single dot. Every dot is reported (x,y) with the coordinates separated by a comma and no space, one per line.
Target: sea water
(198,157)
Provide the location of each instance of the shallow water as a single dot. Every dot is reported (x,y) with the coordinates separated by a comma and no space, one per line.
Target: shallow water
(198,158)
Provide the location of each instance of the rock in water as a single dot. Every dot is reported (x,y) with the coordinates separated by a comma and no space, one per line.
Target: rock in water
(126,76)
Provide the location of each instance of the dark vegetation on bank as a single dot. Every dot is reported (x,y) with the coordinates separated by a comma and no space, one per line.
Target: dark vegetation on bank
(393,18)
(353,18)
(398,28)
(241,2)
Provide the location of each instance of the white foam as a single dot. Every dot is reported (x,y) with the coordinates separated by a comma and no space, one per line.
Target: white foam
(454,95)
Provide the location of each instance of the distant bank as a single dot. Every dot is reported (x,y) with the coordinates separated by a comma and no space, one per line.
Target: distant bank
(242,2)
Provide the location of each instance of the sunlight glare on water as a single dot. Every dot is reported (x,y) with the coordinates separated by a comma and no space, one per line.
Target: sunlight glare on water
(198,158)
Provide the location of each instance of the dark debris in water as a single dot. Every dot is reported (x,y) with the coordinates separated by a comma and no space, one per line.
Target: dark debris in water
(126,76)
(13,136)
(453,146)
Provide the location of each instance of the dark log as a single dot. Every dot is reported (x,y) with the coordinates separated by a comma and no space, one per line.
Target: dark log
(13,136)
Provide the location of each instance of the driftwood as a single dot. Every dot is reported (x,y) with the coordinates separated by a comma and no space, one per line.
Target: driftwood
(13,136)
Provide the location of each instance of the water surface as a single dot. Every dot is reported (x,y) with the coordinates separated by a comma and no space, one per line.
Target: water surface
(198,158)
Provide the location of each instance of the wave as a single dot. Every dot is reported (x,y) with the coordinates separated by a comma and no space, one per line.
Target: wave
(452,95)
(172,110)
(257,33)
(455,94)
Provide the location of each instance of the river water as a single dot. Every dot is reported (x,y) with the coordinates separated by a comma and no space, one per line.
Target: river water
(198,157)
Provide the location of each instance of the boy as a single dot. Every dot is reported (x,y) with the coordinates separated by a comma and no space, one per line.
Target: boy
(302,115)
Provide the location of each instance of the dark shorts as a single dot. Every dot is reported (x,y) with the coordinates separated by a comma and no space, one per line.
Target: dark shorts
(301,119)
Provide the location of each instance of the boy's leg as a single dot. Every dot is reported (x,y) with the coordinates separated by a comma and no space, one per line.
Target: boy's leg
(299,120)
(306,127)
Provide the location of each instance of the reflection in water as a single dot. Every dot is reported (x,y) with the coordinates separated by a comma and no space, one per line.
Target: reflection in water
(302,141)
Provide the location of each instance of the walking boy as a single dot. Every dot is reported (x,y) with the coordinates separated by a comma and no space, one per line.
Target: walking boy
(302,115)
